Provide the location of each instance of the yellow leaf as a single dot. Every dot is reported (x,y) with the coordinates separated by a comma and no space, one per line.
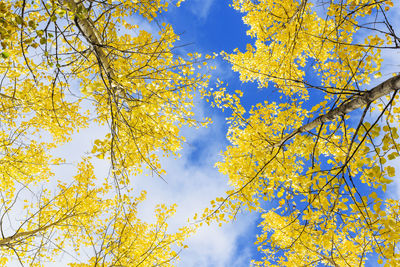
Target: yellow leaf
(373,195)
(390,171)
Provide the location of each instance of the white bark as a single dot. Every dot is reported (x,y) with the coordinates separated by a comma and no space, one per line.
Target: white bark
(92,35)
(353,103)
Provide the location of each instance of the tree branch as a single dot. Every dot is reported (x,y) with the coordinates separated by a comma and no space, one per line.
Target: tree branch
(8,240)
(351,104)
(92,35)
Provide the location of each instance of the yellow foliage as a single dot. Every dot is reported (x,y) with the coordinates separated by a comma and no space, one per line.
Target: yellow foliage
(319,58)
(66,65)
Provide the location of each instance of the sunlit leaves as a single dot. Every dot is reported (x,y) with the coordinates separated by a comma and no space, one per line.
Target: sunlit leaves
(325,187)
(68,65)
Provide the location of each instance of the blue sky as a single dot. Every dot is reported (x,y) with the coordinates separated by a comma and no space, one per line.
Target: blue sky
(207,26)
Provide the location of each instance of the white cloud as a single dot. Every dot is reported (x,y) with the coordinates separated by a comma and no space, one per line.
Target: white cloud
(192,182)
(201,8)
(218,246)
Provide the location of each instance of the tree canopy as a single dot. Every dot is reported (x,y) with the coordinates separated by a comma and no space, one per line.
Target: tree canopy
(68,65)
(315,164)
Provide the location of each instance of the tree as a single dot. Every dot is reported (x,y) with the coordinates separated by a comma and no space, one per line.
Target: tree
(67,65)
(315,164)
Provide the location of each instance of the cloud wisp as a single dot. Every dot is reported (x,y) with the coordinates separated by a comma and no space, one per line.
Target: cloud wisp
(201,8)
(192,182)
